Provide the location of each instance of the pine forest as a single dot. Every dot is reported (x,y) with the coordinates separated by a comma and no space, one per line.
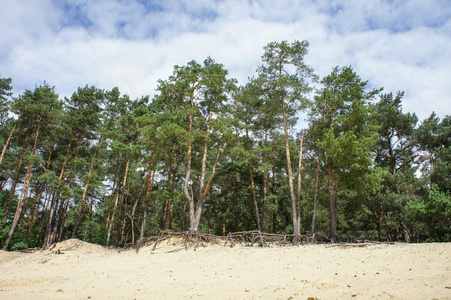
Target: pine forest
(286,153)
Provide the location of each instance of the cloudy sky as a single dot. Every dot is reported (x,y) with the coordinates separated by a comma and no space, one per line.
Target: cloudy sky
(395,44)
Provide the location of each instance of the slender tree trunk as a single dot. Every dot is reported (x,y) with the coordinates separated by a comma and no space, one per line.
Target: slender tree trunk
(21,202)
(34,210)
(274,190)
(150,179)
(112,220)
(64,206)
(123,237)
(406,232)
(254,197)
(50,221)
(16,177)
(85,190)
(43,218)
(299,195)
(294,213)
(194,223)
(171,209)
(189,197)
(316,192)
(164,214)
(62,215)
(207,186)
(17,215)
(171,185)
(132,218)
(9,138)
(124,182)
(333,207)
(265,184)
(48,239)
(111,205)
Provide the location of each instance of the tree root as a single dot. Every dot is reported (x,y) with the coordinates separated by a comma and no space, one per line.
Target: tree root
(193,240)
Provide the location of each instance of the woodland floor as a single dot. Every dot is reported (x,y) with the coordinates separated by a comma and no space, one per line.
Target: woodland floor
(78,270)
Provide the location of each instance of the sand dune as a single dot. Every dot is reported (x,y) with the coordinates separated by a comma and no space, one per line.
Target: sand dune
(79,270)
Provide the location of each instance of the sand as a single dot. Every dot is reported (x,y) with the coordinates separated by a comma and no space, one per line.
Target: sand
(78,270)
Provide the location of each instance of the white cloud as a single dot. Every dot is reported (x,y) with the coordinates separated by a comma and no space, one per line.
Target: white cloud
(400,45)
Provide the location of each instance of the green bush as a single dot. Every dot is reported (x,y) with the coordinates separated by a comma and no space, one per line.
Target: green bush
(19,246)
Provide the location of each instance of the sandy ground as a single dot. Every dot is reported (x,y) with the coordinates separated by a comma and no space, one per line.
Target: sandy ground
(84,271)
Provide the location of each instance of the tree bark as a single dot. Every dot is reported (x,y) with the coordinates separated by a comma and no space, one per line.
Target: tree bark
(316,192)
(16,177)
(85,190)
(333,207)
(296,223)
(124,182)
(299,196)
(112,220)
(265,185)
(254,197)
(150,179)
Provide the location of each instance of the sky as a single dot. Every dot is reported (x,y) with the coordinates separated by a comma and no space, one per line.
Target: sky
(400,45)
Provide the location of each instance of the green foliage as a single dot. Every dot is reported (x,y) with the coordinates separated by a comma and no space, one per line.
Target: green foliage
(4,226)
(19,246)
(5,93)
(435,212)
(111,165)
(340,123)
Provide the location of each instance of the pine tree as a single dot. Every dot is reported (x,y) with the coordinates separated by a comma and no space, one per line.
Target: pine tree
(340,121)
(286,80)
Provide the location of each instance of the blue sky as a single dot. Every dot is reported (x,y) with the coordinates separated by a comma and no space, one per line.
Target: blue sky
(398,45)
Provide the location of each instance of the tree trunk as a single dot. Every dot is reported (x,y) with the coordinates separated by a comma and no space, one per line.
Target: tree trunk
(274,190)
(112,220)
(194,223)
(189,197)
(48,239)
(132,218)
(254,197)
(124,182)
(164,214)
(171,185)
(16,177)
(64,206)
(123,237)
(34,210)
(333,207)
(150,179)
(265,185)
(405,231)
(316,192)
(294,213)
(85,190)
(299,196)
(50,221)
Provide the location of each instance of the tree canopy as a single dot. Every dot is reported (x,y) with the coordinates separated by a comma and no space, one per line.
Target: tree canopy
(205,154)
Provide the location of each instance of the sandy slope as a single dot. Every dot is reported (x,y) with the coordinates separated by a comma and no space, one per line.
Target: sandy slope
(86,271)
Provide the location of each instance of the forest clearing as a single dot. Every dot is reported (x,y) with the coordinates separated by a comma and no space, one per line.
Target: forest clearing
(73,269)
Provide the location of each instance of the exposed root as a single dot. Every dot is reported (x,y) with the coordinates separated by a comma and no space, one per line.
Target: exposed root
(193,240)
